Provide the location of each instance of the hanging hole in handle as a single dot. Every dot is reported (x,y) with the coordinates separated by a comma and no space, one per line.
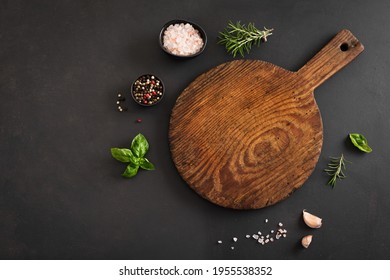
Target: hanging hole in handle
(344,47)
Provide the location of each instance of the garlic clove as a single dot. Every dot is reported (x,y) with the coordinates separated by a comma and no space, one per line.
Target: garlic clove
(311,220)
(306,240)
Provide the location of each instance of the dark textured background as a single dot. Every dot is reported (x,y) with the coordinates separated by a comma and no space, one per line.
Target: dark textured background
(61,193)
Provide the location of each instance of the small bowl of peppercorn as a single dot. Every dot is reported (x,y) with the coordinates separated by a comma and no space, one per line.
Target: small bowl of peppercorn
(147,90)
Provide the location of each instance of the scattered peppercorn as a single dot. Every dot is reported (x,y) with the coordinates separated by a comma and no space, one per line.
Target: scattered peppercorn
(147,90)
(119,102)
(121,108)
(121,97)
(139,120)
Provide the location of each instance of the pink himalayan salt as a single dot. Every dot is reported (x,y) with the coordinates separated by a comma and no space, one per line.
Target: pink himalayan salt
(182,39)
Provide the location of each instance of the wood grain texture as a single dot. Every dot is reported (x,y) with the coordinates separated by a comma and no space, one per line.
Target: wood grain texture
(247,133)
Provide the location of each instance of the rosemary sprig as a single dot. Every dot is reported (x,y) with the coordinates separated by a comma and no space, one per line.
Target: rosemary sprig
(238,37)
(336,169)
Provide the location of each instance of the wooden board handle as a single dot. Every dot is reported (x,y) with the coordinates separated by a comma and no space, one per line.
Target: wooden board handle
(340,51)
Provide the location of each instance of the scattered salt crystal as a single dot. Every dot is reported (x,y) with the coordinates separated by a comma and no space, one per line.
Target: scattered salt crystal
(266,220)
(274,235)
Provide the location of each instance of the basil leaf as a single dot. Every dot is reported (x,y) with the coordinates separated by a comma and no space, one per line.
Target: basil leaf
(359,141)
(124,155)
(139,145)
(144,163)
(134,156)
(130,171)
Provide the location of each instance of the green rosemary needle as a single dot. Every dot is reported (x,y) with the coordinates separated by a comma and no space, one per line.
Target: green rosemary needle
(336,169)
(239,38)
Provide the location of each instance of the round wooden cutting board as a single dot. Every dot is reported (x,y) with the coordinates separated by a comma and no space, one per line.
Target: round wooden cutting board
(247,133)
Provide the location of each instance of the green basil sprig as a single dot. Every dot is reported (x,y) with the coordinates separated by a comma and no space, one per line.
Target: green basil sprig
(359,141)
(135,156)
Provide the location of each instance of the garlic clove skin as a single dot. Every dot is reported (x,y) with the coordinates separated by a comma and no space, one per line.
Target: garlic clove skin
(311,220)
(306,240)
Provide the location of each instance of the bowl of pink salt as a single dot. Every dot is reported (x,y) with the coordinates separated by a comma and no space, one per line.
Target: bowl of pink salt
(182,38)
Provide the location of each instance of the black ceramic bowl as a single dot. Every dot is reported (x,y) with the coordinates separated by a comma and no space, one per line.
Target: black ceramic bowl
(202,34)
(147,90)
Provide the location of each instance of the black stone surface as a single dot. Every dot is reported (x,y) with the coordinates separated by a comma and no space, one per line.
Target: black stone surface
(62,64)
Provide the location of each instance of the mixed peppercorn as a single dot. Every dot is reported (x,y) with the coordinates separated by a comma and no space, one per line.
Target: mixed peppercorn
(119,102)
(147,90)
